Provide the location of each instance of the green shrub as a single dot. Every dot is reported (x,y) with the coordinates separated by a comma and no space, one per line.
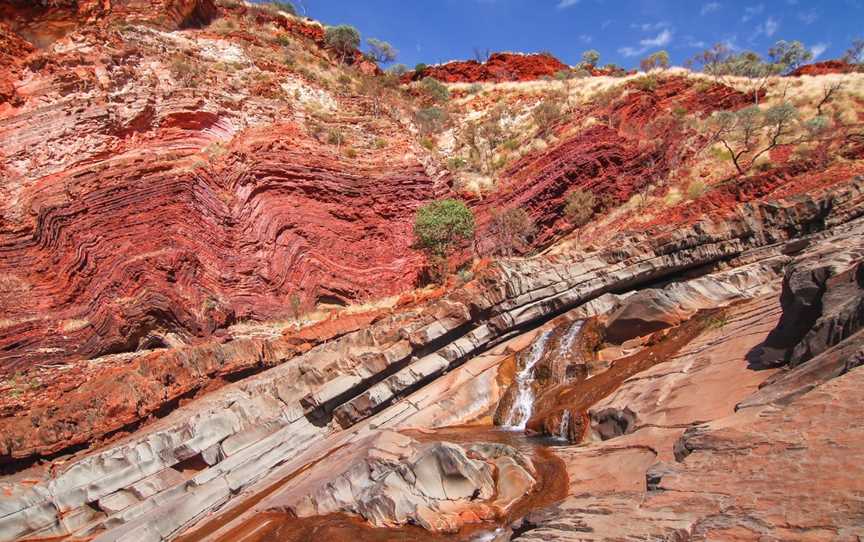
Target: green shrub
(442,226)
(435,89)
(590,58)
(703,85)
(658,60)
(420,68)
(511,144)
(646,83)
(428,143)
(398,70)
(186,71)
(350,153)
(679,112)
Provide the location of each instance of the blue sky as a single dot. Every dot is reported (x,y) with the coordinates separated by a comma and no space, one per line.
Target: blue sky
(624,31)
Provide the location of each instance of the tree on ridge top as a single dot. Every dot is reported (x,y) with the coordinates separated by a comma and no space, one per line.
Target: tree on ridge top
(343,38)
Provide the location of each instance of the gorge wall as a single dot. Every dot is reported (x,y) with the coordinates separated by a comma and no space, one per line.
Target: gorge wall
(209,314)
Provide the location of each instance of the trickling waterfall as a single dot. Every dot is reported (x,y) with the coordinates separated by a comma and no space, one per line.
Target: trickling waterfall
(569,338)
(523,404)
(564,426)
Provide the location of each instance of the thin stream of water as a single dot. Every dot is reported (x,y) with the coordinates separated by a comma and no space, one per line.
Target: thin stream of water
(523,405)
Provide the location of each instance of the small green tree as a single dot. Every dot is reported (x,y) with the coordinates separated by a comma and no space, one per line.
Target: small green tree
(590,58)
(789,55)
(579,206)
(344,39)
(381,51)
(658,60)
(435,89)
(711,59)
(749,133)
(441,227)
(510,230)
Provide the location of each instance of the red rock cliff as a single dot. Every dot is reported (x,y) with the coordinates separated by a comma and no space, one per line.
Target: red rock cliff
(499,67)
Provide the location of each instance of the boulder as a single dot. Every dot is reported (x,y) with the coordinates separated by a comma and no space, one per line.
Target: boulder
(644,312)
(823,303)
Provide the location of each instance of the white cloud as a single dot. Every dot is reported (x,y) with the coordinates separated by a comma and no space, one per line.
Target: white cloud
(661,39)
(752,11)
(768,29)
(585,38)
(818,49)
(710,7)
(564,4)
(808,17)
(649,27)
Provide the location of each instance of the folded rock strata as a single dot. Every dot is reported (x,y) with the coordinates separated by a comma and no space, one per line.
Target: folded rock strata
(226,441)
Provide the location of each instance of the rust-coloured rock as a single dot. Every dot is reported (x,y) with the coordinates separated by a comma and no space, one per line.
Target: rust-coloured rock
(822,68)
(499,67)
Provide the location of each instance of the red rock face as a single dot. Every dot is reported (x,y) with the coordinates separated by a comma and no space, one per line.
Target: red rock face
(117,224)
(822,68)
(638,141)
(189,251)
(499,67)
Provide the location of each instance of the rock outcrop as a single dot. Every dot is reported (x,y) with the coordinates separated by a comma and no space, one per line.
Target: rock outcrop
(637,141)
(822,68)
(243,432)
(392,480)
(499,67)
(823,303)
(213,200)
(666,446)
